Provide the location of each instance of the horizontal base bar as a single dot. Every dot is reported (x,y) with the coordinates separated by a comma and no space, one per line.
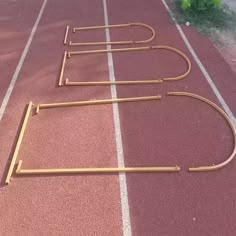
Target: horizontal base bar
(102,43)
(101,27)
(20,171)
(96,102)
(137,82)
(203,168)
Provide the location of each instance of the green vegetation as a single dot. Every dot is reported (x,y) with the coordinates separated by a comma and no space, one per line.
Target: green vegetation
(206,15)
(200,5)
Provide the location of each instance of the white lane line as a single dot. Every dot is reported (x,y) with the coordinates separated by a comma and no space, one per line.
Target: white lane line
(202,68)
(119,147)
(21,61)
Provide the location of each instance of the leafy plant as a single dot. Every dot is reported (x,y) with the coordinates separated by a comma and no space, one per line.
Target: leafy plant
(185,4)
(208,16)
(200,5)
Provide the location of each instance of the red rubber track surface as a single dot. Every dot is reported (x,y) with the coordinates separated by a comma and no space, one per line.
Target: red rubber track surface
(174,131)
(16,22)
(72,137)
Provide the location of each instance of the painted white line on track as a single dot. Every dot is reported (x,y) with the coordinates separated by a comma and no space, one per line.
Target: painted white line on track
(202,68)
(119,147)
(21,61)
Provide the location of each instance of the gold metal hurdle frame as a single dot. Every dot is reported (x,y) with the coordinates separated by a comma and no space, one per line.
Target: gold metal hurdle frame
(20,171)
(137,82)
(153,34)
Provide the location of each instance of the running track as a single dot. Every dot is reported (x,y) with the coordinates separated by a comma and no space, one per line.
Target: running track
(175,131)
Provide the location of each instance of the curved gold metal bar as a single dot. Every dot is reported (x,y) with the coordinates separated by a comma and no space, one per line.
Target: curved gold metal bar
(175,50)
(153,34)
(217,108)
(148,27)
(179,53)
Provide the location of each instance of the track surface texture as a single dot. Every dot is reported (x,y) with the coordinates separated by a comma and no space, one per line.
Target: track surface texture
(174,131)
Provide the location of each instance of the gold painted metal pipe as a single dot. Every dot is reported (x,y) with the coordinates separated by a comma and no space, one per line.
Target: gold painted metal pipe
(18,144)
(98,51)
(62,69)
(99,27)
(115,42)
(160,47)
(217,108)
(96,102)
(104,170)
(127,82)
(66,34)
(182,55)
